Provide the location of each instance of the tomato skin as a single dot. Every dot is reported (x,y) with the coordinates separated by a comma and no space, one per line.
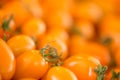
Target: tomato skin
(79,46)
(60,73)
(82,66)
(20,43)
(7,61)
(34,28)
(30,64)
(27,79)
(117,57)
(0,77)
(20,12)
(57,43)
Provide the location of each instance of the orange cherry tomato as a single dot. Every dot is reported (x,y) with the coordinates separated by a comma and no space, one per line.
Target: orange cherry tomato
(58,20)
(79,46)
(20,13)
(60,34)
(60,73)
(87,10)
(53,5)
(20,43)
(30,64)
(7,61)
(82,66)
(33,7)
(57,43)
(85,29)
(109,28)
(34,28)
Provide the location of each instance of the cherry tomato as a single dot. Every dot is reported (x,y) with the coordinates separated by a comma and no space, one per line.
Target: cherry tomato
(34,28)
(59,20)
(79,46)
(58,44)
(30,64)
(82,66)
(7,61)
(20,12)
(20,43)
(60,73)
(87,10)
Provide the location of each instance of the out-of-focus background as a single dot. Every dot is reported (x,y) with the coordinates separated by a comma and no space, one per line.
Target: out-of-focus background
(78,27)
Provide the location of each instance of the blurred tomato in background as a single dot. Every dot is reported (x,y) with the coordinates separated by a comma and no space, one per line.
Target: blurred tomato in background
(73,37)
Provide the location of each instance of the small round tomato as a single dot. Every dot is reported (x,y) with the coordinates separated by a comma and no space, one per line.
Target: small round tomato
(84,28)
(34,28)
(87,10)
(109,28)
(58,44)
(59,20)
(7,61)
(79,46)
(20,43)
(60,34)
(60,73)
(30,64)
(20,13)
(33,7)
(82,66)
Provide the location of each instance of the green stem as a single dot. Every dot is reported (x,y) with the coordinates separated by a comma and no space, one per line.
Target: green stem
(100,71)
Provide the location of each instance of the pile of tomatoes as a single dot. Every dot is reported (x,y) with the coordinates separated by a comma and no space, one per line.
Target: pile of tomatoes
(59,40)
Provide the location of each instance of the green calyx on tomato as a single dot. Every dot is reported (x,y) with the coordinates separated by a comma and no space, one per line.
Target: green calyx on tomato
(100,71)
(50,54)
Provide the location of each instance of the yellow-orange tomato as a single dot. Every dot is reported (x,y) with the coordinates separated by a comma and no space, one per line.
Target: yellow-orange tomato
(85,28)
(79,46)
(82,66)
(58,44)
(87,10)
(33,7)
(117,57)
(60,73)
(20,43)
(58,20)
(110,28)
(30,64)
(55,5)
(34,28)
(20,13)
(7,61)
(60,34)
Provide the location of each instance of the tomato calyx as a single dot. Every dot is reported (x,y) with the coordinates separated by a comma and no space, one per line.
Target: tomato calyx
(115,75)
(75,31)
(50,54)
(100,71)
(106,41)
(6,28)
